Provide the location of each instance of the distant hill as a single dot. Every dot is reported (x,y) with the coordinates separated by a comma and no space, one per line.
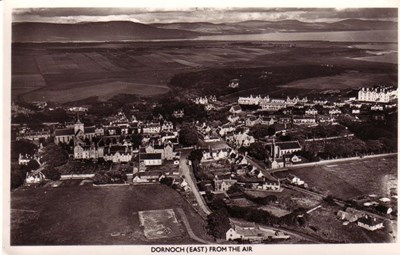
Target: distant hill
(126,30)
(93,31)
(261,26)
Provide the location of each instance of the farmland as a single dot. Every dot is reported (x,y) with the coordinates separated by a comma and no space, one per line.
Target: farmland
(86,215)
(73,71)
(351,179)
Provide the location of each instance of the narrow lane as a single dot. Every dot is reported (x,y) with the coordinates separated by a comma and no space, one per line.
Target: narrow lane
(189,178)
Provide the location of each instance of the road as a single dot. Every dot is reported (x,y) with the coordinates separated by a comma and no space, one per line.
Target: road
(189,228)
(189,178)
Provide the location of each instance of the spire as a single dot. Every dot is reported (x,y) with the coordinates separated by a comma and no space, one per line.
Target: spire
(77,117)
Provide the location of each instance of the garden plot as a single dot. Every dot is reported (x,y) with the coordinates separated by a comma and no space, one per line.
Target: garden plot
(159,224)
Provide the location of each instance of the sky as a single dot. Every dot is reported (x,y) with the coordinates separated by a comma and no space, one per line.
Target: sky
(213,15)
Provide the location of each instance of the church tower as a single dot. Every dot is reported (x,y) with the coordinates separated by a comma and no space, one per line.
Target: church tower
(78,125)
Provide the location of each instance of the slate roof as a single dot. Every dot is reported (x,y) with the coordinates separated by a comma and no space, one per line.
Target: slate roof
(369,221)
(89,130)
(61,132)
(288,145)
(149,156)
(236,108)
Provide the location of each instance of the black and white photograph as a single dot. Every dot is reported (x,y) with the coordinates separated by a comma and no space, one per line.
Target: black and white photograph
(202,129)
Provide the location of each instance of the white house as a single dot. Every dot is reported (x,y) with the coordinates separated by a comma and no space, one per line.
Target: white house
(370,223)
(311,111)
(235,109)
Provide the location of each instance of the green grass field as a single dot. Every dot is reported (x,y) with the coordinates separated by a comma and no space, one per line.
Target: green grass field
(86,215)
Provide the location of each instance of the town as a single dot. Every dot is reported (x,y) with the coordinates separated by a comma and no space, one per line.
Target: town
(258,170)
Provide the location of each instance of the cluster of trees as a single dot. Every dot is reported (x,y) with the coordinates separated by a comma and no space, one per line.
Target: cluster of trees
(216,81)
(188,135)
(169,103)
(296,217)
(112,176)
(377,134)
(218,223)
(35,119)
(258,151)
(167,181)
(260,132)
(345,148)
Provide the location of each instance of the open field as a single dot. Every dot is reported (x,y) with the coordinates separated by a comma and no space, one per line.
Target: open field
(104,90)
(86,215)
(351,179)
(159,224)
(342,81)
(323,222)
(62,72)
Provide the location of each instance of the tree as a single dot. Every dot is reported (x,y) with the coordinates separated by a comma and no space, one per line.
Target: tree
(32,165)
(195,156)
(167,181)
(218,223)
(18,175)
(51,173)
(136,140)
(22,147)
(188,136)
(258,151)
(101,178)
(54,155)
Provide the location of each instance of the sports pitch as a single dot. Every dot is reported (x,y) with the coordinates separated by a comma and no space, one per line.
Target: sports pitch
(159,224)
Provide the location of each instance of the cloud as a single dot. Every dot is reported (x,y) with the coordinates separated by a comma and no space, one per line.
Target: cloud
(215,15)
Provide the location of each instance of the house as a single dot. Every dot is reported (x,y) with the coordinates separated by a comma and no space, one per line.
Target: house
(380,94)
(235,109)
(377,108)
(178,114)
(295,180)
(311,111)
(280,149)
(152,128)
(335,111)
(167,126)
(268,121)
(249,100)
(151,159)
(277,163)
(92,151)
(118,154)
(23,160)
(226,128)
(273,106)
(222,185)
(271,185)
(252,121)
(243,139)
(245,231)
(347,216)
(303,120)
(34,177)
(325,119)
(147,176)
(234,83)
(370,223)
(233,118)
